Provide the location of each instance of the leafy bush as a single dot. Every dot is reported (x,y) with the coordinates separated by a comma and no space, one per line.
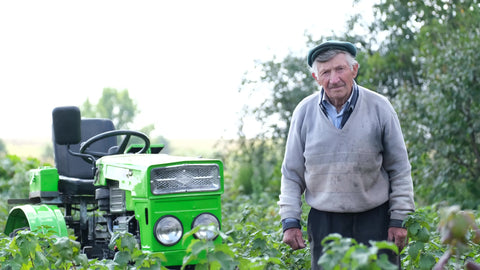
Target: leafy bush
(255,234)
(130,256)
(253,227)
(345,253)
(252,239)
(14,182)
(39,250)
(443,237)
(208,254)
(429,247)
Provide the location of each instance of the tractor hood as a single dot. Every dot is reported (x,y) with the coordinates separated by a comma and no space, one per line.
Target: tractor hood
(160,174)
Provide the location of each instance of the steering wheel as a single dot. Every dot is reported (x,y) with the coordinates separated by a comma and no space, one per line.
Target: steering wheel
(119,149)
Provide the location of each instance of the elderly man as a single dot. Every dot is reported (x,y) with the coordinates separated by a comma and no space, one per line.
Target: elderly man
(345,151)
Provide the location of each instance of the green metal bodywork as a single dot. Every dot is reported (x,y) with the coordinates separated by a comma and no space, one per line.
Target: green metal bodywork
(132,172)
(36,217)
(43,182)
(133,175)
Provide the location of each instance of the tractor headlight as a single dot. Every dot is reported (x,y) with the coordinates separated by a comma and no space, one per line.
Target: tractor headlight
(205,220)
(168,230)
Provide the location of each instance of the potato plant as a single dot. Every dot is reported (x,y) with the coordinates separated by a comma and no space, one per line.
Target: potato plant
(440,238)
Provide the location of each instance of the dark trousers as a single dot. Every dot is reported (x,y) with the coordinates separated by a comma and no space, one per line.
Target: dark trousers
(364,226)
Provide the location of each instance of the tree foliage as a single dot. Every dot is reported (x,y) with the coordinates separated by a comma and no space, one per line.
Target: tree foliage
(428,69)
(449,128)
(288,81)
(3,148)
(122,110)
(113,104)
(14,180)
(257,160)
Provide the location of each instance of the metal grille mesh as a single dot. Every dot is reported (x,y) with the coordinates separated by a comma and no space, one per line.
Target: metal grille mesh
(185,178)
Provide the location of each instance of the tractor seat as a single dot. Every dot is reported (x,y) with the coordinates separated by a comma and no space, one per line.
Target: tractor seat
(76,176)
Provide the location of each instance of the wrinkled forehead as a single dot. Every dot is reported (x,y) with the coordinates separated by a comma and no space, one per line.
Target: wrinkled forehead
(339,60)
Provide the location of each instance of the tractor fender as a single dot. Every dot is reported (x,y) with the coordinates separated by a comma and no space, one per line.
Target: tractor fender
(36,216)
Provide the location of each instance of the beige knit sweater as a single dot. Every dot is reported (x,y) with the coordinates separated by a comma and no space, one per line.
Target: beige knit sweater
(352,169)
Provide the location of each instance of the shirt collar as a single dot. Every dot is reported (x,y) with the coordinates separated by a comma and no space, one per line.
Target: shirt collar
(351,102)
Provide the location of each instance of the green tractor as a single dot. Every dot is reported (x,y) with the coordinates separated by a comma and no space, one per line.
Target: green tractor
(100,187)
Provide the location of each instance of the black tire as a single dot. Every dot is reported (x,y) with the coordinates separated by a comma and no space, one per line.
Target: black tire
(15,232)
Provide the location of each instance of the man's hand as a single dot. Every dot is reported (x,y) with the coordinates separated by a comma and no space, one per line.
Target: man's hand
(398,236)
(294,238)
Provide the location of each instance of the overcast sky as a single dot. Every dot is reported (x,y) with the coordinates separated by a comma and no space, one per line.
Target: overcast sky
(181,61)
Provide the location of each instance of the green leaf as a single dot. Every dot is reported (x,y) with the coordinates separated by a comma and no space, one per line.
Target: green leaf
(360,255)
(81,259)
(331,237)
(26,242)
(127,242)
(423,235)
(385,264)
(66,248)
(41,261)
(415,248)
(113,241)
(427,261)
(225,260)
(386,245)
(413,229)
(197,246)
(225,249)
(122,258)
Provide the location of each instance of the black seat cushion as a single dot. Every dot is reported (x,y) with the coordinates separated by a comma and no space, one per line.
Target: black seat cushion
(76,175)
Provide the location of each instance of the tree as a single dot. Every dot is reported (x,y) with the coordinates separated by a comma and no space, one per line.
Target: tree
(450,131)
(121,109)
(429,57)
(113,104)
(3,148)
(256,161)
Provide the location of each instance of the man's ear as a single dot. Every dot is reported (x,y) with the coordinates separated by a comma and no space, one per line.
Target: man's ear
(355,70)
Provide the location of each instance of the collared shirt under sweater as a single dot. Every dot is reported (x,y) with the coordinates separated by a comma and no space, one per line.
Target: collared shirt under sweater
(352,169)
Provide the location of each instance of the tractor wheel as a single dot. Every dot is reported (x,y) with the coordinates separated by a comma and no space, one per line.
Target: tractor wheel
(15,232)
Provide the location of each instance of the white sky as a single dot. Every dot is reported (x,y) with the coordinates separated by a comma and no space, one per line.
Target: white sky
(182,61)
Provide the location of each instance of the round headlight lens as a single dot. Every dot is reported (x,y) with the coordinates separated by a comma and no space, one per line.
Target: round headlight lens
(205,220)
(168,230)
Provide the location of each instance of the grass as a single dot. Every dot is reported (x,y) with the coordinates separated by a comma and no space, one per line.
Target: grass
(38,148)
(27,147)
(193,147)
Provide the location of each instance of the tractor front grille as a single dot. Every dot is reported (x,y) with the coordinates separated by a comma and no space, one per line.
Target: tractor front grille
(185,178)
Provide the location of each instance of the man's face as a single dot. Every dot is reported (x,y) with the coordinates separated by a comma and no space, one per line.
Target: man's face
(336,78)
